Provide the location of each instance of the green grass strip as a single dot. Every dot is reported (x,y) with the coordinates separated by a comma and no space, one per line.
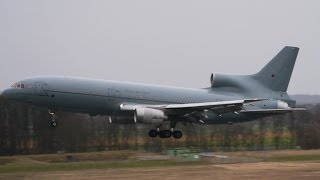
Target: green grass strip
(92,165)
(296,158)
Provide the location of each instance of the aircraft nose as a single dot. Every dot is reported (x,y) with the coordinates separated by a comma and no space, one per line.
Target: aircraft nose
(5,93)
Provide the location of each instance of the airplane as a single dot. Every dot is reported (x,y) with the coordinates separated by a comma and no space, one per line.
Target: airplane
(230,98)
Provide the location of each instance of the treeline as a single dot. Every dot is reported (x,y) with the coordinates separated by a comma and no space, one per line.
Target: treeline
(26,129)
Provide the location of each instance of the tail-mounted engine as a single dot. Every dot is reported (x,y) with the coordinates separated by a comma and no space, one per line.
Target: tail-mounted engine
(225,80)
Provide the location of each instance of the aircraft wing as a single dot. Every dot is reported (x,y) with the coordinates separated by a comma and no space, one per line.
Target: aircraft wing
(220,107)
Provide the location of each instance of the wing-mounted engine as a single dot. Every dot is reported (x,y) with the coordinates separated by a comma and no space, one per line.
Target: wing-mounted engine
(149,115)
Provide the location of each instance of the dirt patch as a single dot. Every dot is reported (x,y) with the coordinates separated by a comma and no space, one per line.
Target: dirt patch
(271,153)
(261,170)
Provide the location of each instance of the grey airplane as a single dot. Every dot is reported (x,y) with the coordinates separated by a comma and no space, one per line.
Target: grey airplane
(230,98)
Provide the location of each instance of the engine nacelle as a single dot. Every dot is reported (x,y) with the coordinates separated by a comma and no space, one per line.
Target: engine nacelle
(224,80)
(149,116)
(282,105)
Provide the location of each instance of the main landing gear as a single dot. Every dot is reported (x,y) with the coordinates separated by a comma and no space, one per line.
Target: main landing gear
(165,133)
(53,119)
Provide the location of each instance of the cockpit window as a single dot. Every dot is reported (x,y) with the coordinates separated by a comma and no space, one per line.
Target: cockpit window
(14,85)
(18,85)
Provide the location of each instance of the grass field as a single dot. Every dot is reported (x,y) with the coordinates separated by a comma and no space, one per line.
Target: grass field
(131,165)
(93,160)
(295,158)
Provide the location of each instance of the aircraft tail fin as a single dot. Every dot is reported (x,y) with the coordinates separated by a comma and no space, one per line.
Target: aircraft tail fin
(277,73)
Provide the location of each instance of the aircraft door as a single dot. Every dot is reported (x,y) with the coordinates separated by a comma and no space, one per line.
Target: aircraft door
(111,94)
(38,88)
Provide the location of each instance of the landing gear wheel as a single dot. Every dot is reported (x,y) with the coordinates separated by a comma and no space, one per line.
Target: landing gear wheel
(165,134)
(177,134)
(153,133)
(54,124)
(53,119)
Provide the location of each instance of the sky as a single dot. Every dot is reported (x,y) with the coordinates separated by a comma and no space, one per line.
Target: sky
(167,42)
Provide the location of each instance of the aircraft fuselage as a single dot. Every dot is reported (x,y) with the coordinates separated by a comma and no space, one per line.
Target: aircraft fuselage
(100,97)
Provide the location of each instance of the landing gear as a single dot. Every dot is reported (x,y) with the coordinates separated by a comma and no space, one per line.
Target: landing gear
(53,119)
(54,124)
(165,133)
(177,134)
(153,133)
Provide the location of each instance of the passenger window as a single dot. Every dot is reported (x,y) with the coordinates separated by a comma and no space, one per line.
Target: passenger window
(22,85)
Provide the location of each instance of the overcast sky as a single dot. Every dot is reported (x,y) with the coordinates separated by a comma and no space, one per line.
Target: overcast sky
(168,42)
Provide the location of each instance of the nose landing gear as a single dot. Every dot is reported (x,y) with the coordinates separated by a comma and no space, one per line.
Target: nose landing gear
(53,119)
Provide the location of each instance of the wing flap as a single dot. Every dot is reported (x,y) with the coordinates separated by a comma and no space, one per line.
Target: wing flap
(272,111)
(208,105)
